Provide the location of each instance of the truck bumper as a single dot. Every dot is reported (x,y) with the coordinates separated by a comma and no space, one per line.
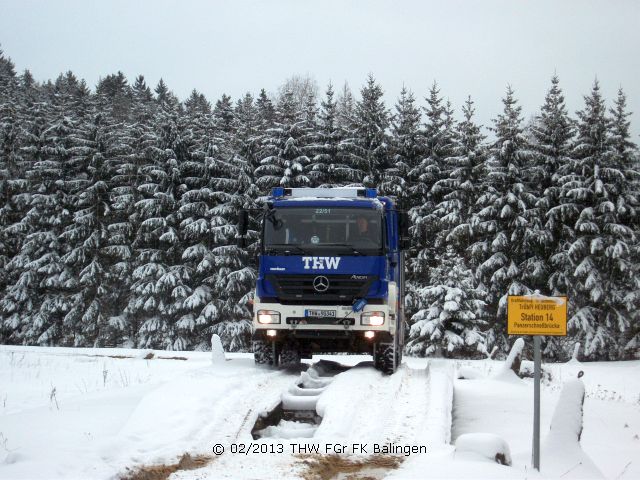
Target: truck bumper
(343,318)
(341,332)
(309,342)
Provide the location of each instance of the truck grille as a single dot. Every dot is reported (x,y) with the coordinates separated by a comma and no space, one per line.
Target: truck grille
(342,289)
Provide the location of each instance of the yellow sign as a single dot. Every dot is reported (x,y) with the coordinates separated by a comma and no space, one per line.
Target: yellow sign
(537,315)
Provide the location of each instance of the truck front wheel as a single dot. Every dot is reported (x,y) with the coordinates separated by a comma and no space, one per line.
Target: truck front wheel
(385,357)
(290,355)
(264,353)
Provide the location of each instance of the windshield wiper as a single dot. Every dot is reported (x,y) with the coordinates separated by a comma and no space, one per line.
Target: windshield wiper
(348,245)
(288,245)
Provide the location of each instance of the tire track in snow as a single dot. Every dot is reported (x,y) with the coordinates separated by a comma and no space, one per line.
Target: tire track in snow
(360,405)
(254,465)
(249,400)
(338,403)
(354,405)
(378,404)
(193,413)
(437,426)
(410,407)
(228,420)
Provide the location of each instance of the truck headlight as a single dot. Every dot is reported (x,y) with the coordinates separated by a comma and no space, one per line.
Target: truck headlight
(375,319)
(268,316)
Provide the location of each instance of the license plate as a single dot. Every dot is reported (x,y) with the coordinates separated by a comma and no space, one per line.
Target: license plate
(319,313)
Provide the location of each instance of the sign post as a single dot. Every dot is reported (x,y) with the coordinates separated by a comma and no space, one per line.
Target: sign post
(536,315)
(536,402)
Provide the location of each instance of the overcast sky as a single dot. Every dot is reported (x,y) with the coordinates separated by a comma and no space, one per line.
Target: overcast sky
(470,47)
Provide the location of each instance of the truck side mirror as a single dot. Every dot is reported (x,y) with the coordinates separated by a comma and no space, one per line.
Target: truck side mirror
(243,225)
(405,239)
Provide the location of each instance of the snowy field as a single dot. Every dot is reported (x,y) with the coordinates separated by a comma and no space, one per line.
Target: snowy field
(104,413)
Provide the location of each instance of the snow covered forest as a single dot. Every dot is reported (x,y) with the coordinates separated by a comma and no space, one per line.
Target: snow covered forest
(118,208)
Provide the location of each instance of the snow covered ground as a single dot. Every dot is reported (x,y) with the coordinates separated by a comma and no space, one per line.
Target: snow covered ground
(94,413)
(502,404)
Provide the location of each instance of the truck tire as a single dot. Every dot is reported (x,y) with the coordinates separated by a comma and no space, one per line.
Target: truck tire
(263,352)
(377,363)
(398,357)
(289,356)
(385,357)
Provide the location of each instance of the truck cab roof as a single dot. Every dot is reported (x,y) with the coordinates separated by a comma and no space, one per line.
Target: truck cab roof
(354,197)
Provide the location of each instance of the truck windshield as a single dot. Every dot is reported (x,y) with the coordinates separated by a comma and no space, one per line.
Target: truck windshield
(312,230)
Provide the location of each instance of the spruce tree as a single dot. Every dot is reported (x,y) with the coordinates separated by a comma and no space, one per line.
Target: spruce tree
(165,97)
(345,106)
(424,190)
(624,157)
(158,277)
(367,143)
(196,103)
(601,262)
(130,148)
(91,303)
(552,232)
(328,139)
(503,225)
(12,182)
(228,271)
(224,116)
(14,189)
(283,160)
(8,79)
(551,133)
(223,125)
(449,313)
(141,91)
(310,141)
(266,111)
(117,95)
(29,91)
(406,146)
(464,184)
(41,293)
(20,300)
(245,141)
(197,198)
(11,176)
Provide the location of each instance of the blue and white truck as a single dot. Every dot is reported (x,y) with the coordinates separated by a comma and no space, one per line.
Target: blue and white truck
(331,275)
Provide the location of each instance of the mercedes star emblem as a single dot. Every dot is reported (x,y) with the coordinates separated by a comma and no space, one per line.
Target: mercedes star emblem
(321,284)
